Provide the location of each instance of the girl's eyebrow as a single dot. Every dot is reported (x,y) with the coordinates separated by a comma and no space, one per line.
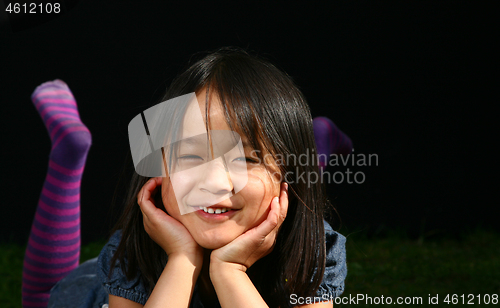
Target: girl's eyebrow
(190,140)
(194,140)
(246,144)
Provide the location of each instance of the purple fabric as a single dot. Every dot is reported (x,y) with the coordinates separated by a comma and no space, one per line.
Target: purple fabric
(54,245)
(329,140)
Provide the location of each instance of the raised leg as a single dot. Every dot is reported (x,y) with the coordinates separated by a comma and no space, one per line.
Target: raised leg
(329,140)
(54,243)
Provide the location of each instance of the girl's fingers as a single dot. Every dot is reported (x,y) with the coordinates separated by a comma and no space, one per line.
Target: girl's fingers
(271,221)
(141,195)
(259,241)
(283,201)
(144,195)
(277,214)
(150,213)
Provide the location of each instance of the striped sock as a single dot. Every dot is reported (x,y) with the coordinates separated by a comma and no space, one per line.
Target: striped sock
(54,244)
(329,140)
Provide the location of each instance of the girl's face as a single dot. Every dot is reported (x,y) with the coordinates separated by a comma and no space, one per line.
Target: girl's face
(213,188)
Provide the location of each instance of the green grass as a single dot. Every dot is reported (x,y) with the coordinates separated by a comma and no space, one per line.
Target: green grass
(11,267)
(396,266)
(391,266)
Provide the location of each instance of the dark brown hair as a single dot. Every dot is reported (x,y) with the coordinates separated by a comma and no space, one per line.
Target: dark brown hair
(262,103)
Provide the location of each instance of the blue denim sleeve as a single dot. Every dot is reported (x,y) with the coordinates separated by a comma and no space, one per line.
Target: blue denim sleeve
(336,267)
(79,289)
(117,284)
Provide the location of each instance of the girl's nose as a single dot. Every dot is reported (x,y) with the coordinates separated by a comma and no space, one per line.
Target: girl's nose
(216,179)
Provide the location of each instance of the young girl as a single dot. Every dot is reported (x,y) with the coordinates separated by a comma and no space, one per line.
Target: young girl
(206,234)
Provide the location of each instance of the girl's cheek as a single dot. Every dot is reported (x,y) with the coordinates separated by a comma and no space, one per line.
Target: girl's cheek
(256,181)
(260,190)
(182,185)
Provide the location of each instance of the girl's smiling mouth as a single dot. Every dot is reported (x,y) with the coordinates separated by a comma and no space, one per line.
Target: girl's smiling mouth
(215,213)
(212,210)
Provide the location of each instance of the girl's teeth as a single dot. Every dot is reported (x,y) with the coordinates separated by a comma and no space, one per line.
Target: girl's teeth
(212,211)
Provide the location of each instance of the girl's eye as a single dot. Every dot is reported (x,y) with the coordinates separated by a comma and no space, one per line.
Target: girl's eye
(246,159)
(190,157)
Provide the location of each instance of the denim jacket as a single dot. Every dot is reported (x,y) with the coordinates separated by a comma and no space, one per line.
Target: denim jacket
(88,286)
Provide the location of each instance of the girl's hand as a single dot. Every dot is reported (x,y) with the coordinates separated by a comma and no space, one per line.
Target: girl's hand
(166,231)
(255,243)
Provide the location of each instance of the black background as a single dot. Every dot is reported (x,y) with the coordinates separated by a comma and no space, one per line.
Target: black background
(406,80)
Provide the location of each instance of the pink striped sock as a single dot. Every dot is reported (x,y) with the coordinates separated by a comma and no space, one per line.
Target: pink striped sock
(54,243)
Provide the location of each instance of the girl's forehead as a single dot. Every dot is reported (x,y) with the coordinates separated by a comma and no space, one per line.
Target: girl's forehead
(195,118)
(195,121)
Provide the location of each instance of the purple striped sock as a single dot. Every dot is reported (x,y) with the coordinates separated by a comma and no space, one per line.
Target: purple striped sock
(329,140)
(54,243)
